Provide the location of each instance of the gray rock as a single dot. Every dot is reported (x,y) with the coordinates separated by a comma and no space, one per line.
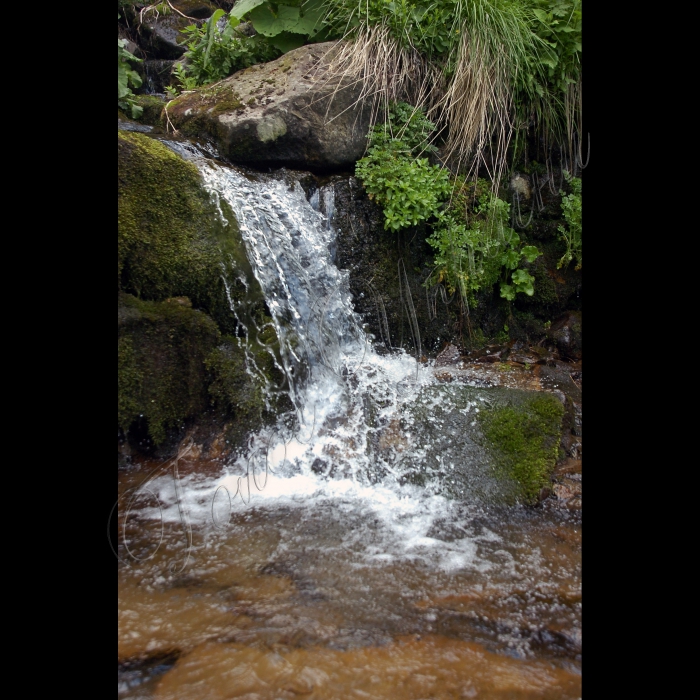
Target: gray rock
(283,113)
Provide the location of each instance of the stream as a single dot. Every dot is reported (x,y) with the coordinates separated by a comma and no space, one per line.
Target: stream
(313,563)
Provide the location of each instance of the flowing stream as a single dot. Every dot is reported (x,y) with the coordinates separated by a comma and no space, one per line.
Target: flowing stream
(311,566)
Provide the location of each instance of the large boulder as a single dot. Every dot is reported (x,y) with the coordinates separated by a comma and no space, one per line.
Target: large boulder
(287,112)
(179,363)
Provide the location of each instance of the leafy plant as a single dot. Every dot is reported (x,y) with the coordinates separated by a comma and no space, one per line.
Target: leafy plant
(287,25)
(475,247)
(127,78)
(217,49)
(409,189)
(571,235)
(484,69)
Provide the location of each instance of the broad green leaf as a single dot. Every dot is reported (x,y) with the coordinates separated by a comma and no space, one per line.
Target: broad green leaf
(510,259)
(310,22)
(507,292)
(211,34)
(530,253)
(242,7)
(521,277)
(264,21)
(286,41)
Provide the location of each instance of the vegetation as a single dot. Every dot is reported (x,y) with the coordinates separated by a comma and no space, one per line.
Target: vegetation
(571,208)
(127,78)
(220,46)
(483,69)
(524,441)
(474,246)
(406,185)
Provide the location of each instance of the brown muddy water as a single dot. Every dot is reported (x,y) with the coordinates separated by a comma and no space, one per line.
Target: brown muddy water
(333,590)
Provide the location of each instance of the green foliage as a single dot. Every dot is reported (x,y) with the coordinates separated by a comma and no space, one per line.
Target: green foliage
(127,78)
(218,48)
(571,208)
(287,25)
(475,247)
(214,52)
(512,63)
(409,189)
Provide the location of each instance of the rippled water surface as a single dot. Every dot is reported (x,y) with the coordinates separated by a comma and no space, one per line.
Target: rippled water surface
(329,589)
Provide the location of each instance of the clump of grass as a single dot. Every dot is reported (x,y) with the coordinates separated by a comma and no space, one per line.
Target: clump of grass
(482,70)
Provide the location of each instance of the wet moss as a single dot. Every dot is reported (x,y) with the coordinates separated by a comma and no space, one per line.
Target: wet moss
(170,235)
(177,357)
(162,373)
(152,109)
(523,440)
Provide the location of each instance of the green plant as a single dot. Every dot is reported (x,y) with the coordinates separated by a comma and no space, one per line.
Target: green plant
(127,78)
(483,69)
(287,25)
(571,235)
(409,189)
(217,49)
(475,247)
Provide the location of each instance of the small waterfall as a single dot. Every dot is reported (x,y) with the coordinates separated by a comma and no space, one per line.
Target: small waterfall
(355,415)
(341,390)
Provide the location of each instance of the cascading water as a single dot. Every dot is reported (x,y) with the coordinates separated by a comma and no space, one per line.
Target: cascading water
(321,499)
(341,391)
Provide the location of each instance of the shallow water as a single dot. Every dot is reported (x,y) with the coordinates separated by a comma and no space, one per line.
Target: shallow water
(331,589)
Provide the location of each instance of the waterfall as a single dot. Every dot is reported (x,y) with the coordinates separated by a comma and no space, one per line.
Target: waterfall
(343,394)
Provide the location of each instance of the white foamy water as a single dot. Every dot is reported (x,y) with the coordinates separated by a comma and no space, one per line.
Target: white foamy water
(335,449)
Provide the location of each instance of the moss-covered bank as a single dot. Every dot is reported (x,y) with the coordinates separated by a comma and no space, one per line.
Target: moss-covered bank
(179,359)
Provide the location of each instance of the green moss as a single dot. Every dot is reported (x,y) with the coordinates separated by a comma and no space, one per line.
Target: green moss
(162,372)
(192,113)
(174,308)
(170,235)
(523,440)
(152,109)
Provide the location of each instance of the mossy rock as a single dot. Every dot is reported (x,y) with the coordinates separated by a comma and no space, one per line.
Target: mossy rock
(152,109)
(523,438)
(179,360)
(493,445)
(162,376)
(171,238)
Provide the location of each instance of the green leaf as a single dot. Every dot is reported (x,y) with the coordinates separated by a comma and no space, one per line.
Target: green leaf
(286,41)
(510,259)
(530,253)
(243,7)
(507,292)
(264,21)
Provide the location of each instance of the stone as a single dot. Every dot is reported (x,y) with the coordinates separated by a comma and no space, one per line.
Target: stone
(565,332)
(449,356)
(282,113)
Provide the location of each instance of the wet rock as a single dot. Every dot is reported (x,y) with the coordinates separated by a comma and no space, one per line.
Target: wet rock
(162,30)
(494,445)
(450,355)
(158,74)
(565,333)
(285,112)
(572,446)
(523,358)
